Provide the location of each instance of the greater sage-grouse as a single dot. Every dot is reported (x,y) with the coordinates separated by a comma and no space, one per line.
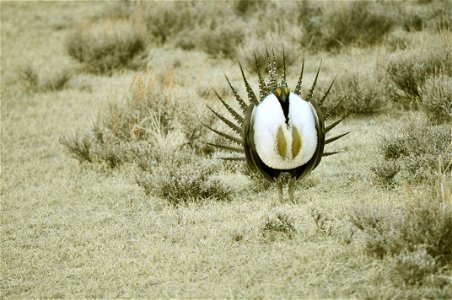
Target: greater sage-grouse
(280,134)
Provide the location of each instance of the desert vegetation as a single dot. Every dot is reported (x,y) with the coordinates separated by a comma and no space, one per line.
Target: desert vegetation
(111,190)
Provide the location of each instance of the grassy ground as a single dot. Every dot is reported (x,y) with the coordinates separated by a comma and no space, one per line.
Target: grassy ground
(77,230)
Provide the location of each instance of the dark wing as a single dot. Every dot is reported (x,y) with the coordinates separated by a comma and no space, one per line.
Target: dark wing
(304,170)
(252,158)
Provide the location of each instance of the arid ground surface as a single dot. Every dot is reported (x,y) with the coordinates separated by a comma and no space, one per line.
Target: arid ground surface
(108,189)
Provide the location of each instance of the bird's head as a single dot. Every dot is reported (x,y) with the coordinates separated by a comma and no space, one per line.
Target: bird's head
(282,93)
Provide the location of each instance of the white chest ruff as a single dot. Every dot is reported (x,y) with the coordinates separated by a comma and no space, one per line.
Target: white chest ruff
(269,125)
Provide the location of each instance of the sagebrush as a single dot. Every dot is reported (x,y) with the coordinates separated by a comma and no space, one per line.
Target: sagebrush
(413,153)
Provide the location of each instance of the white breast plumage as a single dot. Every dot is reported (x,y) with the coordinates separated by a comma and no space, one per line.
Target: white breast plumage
(284,146)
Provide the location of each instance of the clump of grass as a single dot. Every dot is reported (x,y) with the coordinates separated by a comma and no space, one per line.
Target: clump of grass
(413,154)
(355,93)
(436,99)
(80,146)
(278,224)
(322,221)
(39,81)
(183,178)
(418,235)
(106,45)
(29,76)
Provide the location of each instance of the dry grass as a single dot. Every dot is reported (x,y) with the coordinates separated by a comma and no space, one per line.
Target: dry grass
(88,230)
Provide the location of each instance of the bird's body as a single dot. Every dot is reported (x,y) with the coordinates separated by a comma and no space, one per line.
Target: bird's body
(282,135)
(284,144)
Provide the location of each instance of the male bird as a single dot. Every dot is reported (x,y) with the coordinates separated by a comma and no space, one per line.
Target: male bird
(282,135)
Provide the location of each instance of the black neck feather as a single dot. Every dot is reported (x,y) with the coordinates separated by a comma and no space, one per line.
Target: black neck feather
(285,108)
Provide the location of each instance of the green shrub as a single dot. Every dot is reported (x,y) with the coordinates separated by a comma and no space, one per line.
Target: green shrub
(413,154)
(360,93)
(436,99)
(107,44)
(339,24)
(417,235)
(409,68)
(183,178)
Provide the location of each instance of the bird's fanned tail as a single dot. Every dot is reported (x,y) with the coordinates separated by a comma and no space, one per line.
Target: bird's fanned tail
(238,122)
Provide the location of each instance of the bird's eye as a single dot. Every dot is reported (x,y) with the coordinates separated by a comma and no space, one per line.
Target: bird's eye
(278,91)
(286,91)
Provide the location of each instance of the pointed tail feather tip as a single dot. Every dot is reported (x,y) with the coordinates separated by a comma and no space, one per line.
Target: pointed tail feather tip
(234,139)
(334,138)
(311,91)
(234,114)
(249,90)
